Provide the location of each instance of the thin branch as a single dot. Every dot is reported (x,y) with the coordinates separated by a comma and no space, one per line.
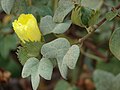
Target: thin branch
(95,27)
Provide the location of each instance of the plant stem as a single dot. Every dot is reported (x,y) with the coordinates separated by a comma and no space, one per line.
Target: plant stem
(95,27)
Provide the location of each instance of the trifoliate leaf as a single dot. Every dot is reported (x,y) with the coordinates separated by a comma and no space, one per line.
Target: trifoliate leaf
(35,68)
(64,54)
(114,43)
(47,26)
(7,5)
(57,49)
(71,57)
(64,7)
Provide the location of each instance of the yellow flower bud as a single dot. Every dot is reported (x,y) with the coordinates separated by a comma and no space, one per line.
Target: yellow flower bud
(26,28)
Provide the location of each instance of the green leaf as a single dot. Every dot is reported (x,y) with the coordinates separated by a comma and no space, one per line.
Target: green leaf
(64,85)
(64,54)
(86,15)
(29,49)
(33,48)
(62,27)
(76,16)
(35,79)
(53,61)
(71,57)
(103,80)
(31,68)
(45,68)
(19,7)
(35,68)
(94,18)
(93,4)
(64,7)
(62,67)
(40,10)
(114,43)
(22,55)
(51,49)
(57,49)
(111,15)
(7,5)
(106,81)
(40,2)
(7,43)
(47,26)
(112,66)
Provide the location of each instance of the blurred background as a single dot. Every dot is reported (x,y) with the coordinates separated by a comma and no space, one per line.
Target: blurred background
(96,54)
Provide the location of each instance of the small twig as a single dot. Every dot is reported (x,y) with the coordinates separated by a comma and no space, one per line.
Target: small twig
(95,27)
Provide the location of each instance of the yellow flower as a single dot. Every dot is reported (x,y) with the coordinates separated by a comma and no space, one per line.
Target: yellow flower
(26,28)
